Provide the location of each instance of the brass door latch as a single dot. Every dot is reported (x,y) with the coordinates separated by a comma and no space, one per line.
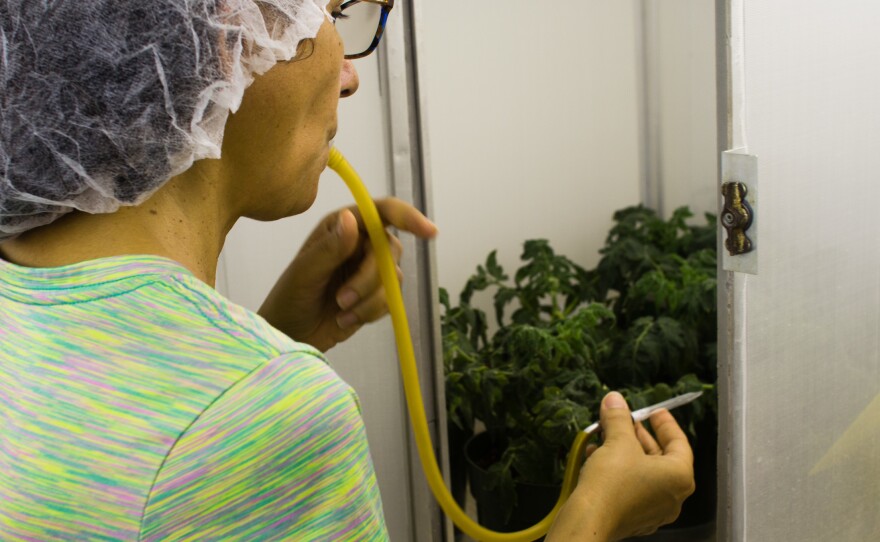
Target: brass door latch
(736,217)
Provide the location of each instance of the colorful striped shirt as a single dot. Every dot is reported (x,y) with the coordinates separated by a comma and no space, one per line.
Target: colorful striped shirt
(136,403)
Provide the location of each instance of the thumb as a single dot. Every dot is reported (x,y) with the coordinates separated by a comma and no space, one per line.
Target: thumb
(330,244)
(616,418)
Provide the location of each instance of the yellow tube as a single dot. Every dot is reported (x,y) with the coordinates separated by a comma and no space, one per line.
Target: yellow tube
(414,402)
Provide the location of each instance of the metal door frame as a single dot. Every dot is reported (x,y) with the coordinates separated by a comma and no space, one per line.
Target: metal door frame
(731,298)
(410,181)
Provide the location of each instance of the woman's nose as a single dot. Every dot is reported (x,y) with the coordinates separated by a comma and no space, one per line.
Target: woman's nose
(348,79)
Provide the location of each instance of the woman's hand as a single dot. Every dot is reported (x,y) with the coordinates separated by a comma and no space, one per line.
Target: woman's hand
(632,484)
(332,287)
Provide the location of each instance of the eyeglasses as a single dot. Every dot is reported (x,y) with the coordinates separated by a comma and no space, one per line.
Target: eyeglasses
(360,23)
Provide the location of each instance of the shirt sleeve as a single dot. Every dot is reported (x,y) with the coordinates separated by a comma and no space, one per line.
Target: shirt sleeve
(282,454)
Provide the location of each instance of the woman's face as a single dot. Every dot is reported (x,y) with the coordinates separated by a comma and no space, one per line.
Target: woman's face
(277,144)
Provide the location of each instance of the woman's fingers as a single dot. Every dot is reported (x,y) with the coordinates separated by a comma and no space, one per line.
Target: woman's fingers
(670,436)
(401,215)
(616,418)
(369,310)
(358,294)
(649,445)
(675,445)
(362,297)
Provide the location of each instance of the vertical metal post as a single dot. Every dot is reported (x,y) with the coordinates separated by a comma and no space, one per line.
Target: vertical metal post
(649,105)
(726,290)
(399,82)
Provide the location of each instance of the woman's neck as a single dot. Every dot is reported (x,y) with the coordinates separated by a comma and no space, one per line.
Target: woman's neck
(184,221)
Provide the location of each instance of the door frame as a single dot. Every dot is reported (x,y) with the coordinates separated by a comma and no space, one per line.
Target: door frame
(731,301)
(410,181)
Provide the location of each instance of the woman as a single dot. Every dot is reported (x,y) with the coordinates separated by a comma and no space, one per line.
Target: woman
(138,403)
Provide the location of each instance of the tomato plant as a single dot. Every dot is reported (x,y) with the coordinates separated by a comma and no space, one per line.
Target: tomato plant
(643,322)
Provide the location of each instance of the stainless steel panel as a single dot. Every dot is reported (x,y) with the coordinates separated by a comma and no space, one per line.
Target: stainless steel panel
(804,333)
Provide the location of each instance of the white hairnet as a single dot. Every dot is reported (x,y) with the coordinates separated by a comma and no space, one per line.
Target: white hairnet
(102,101)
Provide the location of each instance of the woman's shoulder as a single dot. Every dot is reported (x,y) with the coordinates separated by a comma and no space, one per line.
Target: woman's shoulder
(287,441)
(240,324)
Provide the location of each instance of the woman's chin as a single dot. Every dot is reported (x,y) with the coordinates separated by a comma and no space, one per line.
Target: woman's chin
(278,207)
(291,197)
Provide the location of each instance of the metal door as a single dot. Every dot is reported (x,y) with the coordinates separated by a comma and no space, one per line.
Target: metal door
(800,323)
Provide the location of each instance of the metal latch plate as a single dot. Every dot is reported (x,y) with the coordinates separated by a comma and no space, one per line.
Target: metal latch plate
(739,217)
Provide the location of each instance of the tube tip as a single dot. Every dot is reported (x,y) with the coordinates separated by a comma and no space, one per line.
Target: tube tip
(335,160)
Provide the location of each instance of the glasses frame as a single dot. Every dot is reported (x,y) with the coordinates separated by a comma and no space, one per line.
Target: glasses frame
(386,6)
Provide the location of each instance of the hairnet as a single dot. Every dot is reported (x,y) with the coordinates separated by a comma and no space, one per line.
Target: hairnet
(102,101)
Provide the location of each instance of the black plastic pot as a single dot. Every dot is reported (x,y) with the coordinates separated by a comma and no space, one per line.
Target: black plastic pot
(700,508)
(534,501)
(458,466)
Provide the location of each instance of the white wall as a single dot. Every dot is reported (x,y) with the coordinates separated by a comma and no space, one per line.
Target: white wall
(533,126)
(681,61)
(540,122)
